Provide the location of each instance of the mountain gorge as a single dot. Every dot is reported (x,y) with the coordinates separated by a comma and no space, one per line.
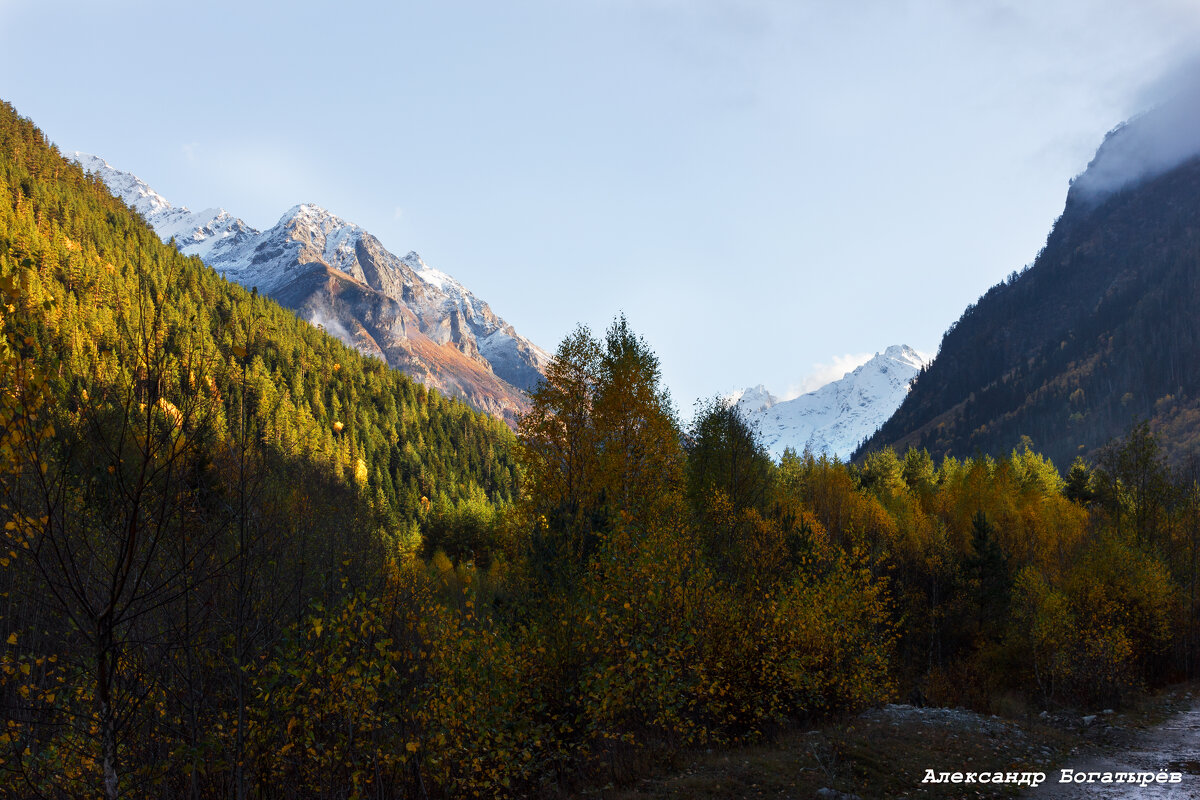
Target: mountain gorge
(835,418)
(244,556)
(1102,330)
(338,276)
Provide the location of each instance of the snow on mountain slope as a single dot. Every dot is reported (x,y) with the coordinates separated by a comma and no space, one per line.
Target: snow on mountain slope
(336,274)
(755,400)
(836,417)
(196,233)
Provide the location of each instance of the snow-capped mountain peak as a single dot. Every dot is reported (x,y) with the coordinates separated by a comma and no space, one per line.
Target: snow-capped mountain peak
(905,355)
(414,260)
(336,274)
(197,233)
(755,399)
(432,276)
(836,417)
(134,191)
(313,216)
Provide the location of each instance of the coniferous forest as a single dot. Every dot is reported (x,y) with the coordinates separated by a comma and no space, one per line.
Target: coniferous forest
(242,560)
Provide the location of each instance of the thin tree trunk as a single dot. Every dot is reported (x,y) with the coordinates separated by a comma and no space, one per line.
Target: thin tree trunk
(108,734)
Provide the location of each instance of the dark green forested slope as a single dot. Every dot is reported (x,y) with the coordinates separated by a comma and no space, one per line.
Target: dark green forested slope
(64,238)
(1102,330)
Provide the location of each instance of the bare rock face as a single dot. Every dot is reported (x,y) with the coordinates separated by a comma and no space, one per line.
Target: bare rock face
(339,277)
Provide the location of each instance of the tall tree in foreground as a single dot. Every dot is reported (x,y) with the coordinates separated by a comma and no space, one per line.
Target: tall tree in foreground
(97,515)
(600,442)
(560,449)
(1135,483)
(728,485)
(642,460)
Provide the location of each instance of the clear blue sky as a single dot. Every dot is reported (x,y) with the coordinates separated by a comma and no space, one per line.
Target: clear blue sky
(762,186)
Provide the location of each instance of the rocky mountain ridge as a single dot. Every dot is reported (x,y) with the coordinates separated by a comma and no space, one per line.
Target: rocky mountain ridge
(337,275)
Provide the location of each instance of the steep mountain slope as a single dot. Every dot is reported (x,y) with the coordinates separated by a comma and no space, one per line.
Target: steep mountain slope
(340,277)
(835,418)
(1102,330)
(103,300)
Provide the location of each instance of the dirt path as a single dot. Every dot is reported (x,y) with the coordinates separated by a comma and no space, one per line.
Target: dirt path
(885,752)
(882,753)
(1173,746)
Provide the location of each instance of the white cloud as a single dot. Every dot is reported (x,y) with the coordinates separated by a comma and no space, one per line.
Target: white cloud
(1151,143)
(823,373)
(326,321)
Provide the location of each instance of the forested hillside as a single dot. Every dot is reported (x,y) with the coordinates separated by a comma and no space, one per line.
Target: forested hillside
(1101,331)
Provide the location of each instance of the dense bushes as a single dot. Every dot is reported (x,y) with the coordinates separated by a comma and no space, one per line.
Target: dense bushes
(1006,584)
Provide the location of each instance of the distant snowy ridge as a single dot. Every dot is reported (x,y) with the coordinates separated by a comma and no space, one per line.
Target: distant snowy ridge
(835,418)
(335,274)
